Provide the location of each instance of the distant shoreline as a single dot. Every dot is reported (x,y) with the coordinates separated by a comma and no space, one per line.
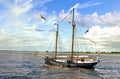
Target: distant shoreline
(102,53)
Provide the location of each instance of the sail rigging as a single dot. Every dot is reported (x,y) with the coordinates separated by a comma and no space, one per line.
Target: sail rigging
(72,60)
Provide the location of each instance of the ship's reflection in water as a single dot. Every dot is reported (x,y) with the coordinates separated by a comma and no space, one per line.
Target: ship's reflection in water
(27,66)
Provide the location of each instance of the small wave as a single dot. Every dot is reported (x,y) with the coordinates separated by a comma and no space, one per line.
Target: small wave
(16,77)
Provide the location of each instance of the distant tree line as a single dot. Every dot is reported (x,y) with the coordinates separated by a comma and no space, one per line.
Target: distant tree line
(115,52)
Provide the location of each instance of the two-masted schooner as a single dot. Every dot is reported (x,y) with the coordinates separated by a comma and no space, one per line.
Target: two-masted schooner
(84,61)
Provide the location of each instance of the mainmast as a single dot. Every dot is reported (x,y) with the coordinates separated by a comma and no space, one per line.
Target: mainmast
(73,29)
(56,42)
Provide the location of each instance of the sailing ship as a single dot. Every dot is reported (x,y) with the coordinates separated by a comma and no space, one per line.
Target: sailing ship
(84,61)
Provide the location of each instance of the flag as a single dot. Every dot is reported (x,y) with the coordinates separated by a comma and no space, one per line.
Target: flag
(43,17)
(87,31)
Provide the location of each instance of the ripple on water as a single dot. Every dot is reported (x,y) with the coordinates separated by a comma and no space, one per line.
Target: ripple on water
(27,66)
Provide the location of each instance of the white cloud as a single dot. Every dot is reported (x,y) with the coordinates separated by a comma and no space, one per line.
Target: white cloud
(21,31)
(89,4)
(23,42)
(109,19)
(105,38)
(84,5)
(13,33)
(62,14)
(21,7)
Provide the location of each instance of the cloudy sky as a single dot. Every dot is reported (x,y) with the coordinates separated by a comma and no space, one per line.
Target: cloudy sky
(23,28)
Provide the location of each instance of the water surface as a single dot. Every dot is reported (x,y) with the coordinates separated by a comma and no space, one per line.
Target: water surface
(27,66)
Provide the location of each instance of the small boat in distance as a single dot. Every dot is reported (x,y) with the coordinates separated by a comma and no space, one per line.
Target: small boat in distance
(84,61)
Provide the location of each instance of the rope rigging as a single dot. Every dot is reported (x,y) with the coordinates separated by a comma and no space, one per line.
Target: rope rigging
(78,33)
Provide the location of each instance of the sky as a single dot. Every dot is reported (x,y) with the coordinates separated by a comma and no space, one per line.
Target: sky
(22,26)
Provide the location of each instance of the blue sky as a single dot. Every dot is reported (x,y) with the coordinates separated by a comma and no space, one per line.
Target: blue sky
(22,28)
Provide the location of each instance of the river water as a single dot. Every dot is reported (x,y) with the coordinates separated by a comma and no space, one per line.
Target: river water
(27,66)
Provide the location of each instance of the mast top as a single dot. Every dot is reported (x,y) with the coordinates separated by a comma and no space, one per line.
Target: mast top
(73,21)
